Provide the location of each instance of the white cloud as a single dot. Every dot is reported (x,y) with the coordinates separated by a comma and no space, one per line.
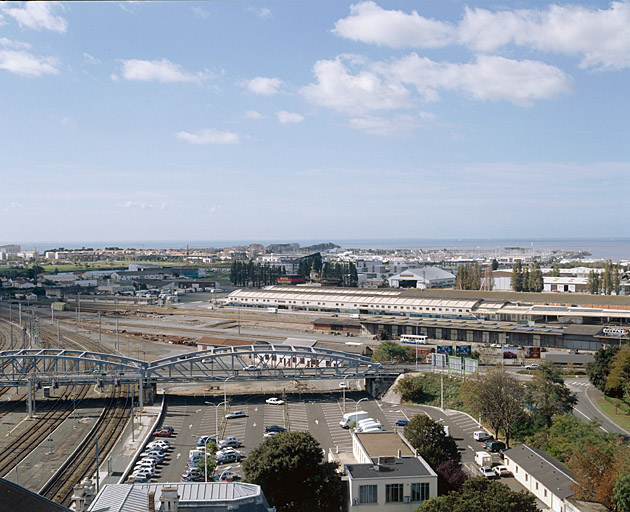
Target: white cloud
(384,86)
(200,12)
(38,15)
(489,78)
(14,45)
(261,12)
(253,114)
(285,117)
(91,59)
(26,64)
(208,136)
(369,23)
(364,91)
(263,86)
(159,71)
(382,126)
(600,36)
(135,205)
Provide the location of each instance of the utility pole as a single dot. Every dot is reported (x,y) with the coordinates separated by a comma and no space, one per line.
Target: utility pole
(58,337)
(11,336)
(99,331)
(442,391)
(98,479)
(24,338)
(52,314)
(20,314)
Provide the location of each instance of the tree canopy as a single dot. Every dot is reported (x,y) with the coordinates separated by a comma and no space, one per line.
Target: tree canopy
(482,495)
(499,398)
(618,379)
(548,394)
(599,369)
(290,469)
(428,437)
(390,351)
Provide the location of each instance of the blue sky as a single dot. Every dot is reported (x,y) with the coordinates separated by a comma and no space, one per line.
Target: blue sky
(234,120)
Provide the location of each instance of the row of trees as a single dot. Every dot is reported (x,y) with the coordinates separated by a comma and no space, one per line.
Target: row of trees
(344,273)
(251,273)
(605,283)
(527,279)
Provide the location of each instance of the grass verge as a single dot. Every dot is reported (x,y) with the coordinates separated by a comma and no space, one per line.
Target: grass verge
(614,411)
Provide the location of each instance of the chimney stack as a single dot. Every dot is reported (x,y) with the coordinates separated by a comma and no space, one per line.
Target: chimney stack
(151,505)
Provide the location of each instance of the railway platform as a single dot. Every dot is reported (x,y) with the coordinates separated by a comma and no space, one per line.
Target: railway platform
(113,467)
(35,470)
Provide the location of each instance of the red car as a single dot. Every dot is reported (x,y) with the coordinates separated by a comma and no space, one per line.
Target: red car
(162,433)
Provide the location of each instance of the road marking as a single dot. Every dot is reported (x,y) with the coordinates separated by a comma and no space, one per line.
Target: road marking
(603,429)
(179,455)
(471,448)
(254,424)
(577,410)
(316,422)
(189,426)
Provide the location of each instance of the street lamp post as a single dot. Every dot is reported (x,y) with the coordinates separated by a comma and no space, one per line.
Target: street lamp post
(225,392)
(216,435)
(357,404)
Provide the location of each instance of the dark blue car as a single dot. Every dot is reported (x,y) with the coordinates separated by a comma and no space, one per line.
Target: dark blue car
(401,422)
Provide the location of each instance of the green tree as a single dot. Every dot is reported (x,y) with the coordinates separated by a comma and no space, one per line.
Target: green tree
(499,398)
(548,395)
(517,276)
(293,475)
(569,435)
(599,369)
(392,352)
(526,280)
(536,280)
(428,437)
(592,282)
(618,379)
(410,389)
(482,495)
(621,493)
(210,460)
(495,264)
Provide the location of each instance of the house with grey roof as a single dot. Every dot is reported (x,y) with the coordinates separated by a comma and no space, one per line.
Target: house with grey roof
(546,478)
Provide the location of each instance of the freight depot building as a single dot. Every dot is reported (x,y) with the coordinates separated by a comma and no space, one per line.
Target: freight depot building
(571,321)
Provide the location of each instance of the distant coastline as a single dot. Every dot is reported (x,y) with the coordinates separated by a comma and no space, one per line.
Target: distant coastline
(600,248)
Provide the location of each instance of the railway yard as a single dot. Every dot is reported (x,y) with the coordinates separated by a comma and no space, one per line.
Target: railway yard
(75,428)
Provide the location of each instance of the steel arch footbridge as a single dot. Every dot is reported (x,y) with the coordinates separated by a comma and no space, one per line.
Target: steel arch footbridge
(269,362)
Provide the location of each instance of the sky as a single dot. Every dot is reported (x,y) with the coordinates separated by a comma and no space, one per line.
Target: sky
(313,119)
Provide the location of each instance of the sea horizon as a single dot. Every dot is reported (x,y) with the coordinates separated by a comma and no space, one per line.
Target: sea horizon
(599,247)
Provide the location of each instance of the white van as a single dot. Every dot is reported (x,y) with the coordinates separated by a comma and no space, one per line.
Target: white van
(369,426)
(481,435)
(352,417)
(483,459)
(364,421)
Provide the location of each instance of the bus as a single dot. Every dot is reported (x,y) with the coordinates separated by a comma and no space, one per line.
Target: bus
(416,339)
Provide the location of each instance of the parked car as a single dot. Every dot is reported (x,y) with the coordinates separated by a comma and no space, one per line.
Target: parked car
(270,434)
(203,440)
(502,471)
(161,443)
(401,422)
(495,446)
(229,442)
(162,433)
(275,428)
(170,429)
(228,458)
(227,451)
(532,366)
(274,401)
(235,414)
(226,476)
(250,367)
(487,472)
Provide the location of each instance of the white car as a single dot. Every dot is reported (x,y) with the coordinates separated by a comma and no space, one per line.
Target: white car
(532,366)
(487,472)
(502,471)
(251,368)
(274,401)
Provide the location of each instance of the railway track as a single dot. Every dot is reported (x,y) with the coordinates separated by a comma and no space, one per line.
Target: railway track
(81,463)
(46,423)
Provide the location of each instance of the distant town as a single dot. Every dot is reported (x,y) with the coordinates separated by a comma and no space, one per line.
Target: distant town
(194,379)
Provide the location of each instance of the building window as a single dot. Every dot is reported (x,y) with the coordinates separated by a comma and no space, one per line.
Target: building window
(367,494)
(526,477)
(394,493)
(545,493)
(420,491)
(536,485)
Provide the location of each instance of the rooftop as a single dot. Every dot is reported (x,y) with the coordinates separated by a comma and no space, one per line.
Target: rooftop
(384,444)
(393,467)
(550,472)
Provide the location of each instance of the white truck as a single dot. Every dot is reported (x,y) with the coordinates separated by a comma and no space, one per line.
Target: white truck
(483,459)
(352,417)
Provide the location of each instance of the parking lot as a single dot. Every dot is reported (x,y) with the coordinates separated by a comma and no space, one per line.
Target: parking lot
(192,417)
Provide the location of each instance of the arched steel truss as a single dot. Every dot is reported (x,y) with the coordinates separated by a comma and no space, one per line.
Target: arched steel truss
(269,362)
